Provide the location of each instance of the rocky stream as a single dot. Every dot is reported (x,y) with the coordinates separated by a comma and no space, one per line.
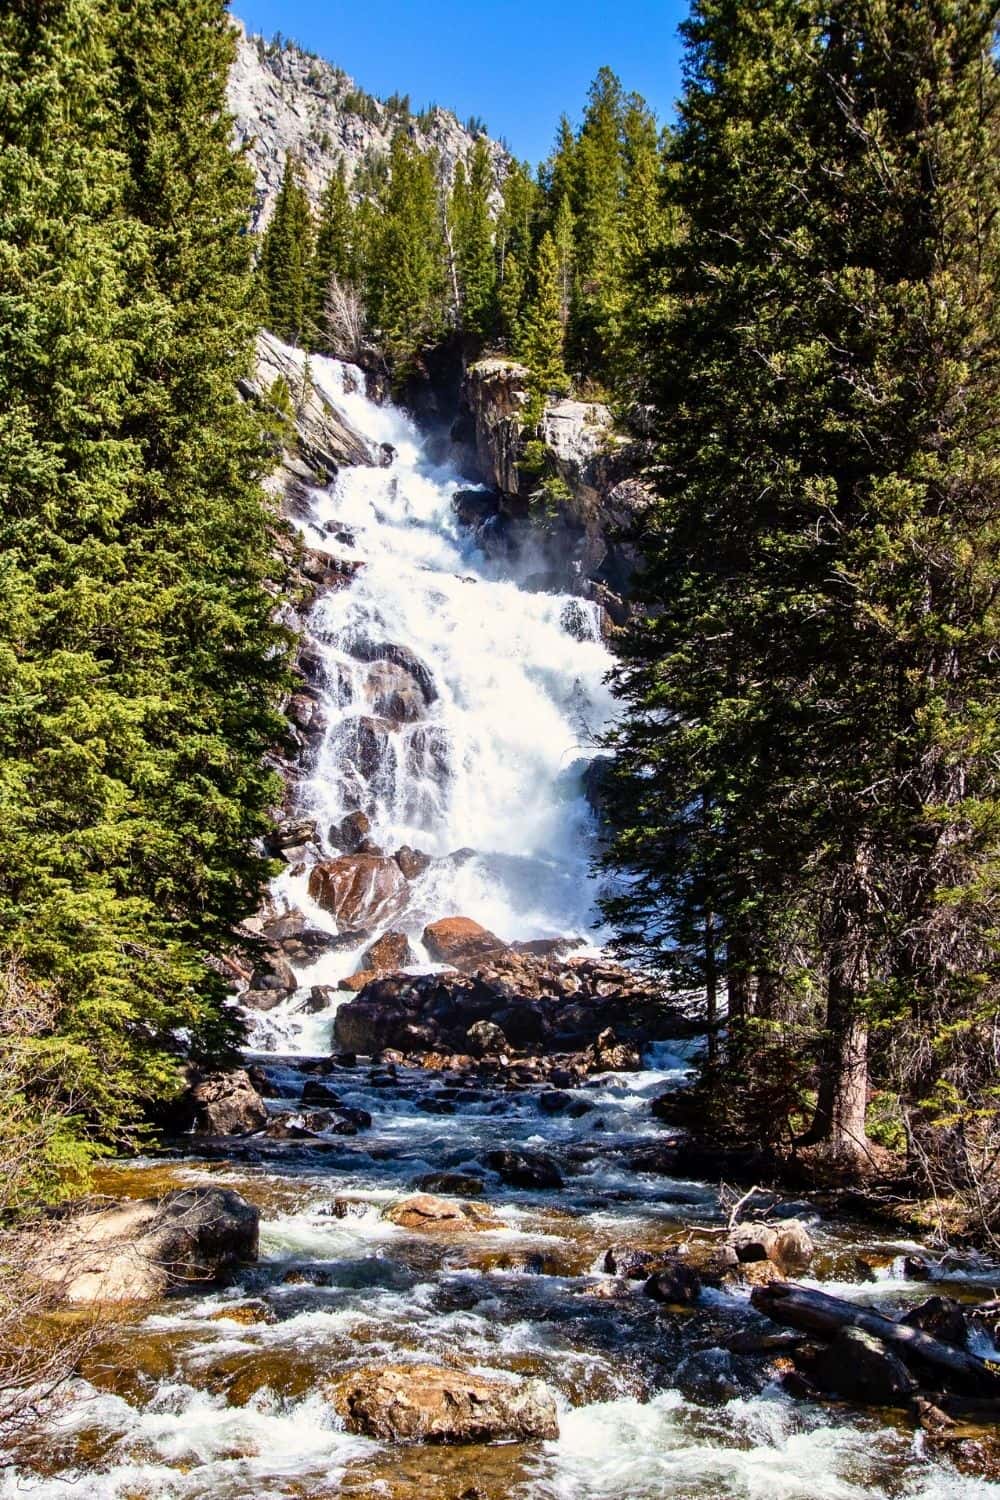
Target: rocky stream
(433,1241)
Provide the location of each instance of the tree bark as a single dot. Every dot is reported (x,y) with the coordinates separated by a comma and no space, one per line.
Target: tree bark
(819,1313)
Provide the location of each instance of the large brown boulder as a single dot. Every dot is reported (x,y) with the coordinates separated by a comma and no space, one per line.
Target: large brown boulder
(424,1211)
(460,942)
(141,1249)
(227,1104)
(391,951)
(360,890)
(431,1404)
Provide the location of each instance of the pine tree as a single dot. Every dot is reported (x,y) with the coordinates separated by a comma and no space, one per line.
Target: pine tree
(406,274)
(600,181)
(472,233)
(333,257)
(286,261)
(510,302)
(563,237)
(542,333)
(826,529)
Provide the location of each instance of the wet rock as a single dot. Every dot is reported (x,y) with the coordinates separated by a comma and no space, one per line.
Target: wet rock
(611,1055)
(458,1184)
(554,1102)
(399,656)
(315,1092)
(675,1284)
(360,890)
(424,1211)
(577,621)
(459,941)
(289,832)
(393,694)
(859,1367)
(391,951)
(143,1248)
(274,973)
(320,998)
(431,1404)
(753,1242)
(412,862)
(524,1169)
(943,1318)
(794,1249)
(633,1265)
(227,1104)
(351,832)
(486,1039)
(916,1268)
(248,1314)
(710,1376)
(355,983)
(473,507)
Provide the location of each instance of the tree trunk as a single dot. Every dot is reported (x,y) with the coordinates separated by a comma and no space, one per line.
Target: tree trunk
(839,1121)
(711,988)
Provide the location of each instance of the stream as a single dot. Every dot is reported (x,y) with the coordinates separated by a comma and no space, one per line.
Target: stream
(221,1393)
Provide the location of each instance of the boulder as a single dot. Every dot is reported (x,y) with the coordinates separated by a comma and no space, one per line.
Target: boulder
(859,1367)
(391,951)
(486,1040)
(431,1404)
(351,832)
(524,1169)
(633,1265)
(714,1375)
(412,862)
(143,1248)
(675,1284)
(753,1241)
(394,694)
(424,1211)
(359,890)
(613,1056)
(357,982)
(227,1104)
(794,1249)
(458,1184)
(942,1318)
(460,942)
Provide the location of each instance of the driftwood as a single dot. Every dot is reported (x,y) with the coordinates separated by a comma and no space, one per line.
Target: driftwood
(823,1315)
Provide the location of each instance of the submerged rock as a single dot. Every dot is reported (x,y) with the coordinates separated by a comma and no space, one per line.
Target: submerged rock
(524,1169)
(143,1248)
(431,1404)
(424,1211)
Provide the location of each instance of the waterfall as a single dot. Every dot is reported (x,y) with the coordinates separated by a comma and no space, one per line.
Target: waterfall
(461,707)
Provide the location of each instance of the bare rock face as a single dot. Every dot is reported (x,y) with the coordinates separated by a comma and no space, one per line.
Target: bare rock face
(431,1404)
(324,440)
(227,1104)
(424,1211)
(360,890)
(460,942)
(285,100)
(141,1249)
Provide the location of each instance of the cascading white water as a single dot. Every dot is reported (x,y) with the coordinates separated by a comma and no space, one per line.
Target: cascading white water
(462,708)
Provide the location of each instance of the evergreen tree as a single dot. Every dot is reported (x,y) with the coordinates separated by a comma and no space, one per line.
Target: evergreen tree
(600,185)
(563,237)
(542,333)
(472,232)
(406,275)
(826,529)
(286,261)
(333,256)
(510,302)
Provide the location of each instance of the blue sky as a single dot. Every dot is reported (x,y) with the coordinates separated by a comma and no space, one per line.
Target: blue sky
(518,66)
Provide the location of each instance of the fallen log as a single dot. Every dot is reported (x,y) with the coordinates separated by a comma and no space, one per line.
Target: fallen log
(818,1313)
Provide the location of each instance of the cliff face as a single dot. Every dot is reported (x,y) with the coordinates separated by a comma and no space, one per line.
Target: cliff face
(579,532)
(283,100)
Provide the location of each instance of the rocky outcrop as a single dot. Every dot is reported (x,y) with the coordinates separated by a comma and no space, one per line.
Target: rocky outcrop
(141,1249)
(544,1006)
(318,440)
(431,1404)
(286,100)
(575,539)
